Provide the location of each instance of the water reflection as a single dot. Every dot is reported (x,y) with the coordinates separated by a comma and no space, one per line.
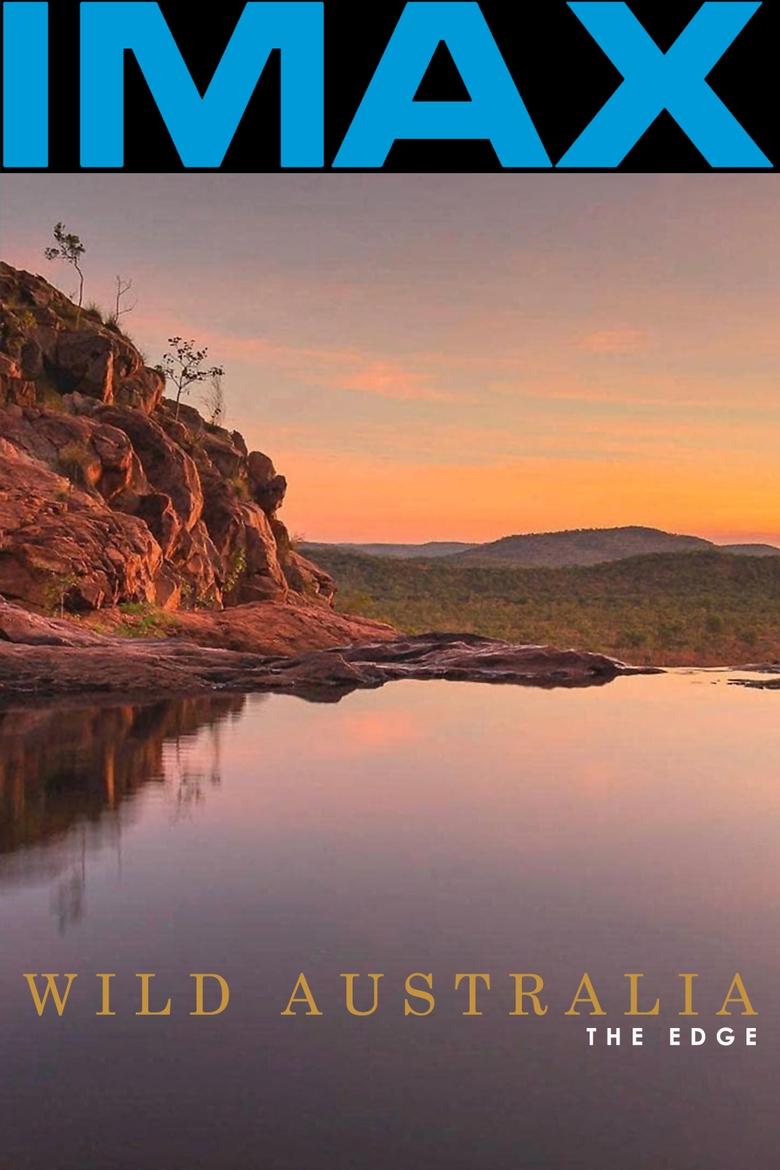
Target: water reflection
(421,827)
(68,776)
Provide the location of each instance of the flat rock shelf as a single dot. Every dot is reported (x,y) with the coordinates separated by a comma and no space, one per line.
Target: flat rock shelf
(41,657)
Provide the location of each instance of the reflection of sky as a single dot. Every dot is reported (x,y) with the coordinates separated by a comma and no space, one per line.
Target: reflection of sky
(423,827)
(462,356)
(426,780)
(499,780)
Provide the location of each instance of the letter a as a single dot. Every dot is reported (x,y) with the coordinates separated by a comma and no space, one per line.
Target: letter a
(302,993)
(389,111)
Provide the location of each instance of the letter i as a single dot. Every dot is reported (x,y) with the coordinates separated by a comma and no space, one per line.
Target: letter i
(25,85)
(105,999)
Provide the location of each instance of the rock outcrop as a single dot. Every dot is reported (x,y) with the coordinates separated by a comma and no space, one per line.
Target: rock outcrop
(50,348)
(769,679)
(451,657)
(111,494)
(43,657)
(61,543)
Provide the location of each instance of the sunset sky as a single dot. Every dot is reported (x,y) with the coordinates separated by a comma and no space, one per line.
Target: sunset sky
(461,357)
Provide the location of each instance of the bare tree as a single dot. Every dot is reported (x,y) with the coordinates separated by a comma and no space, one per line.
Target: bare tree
(123,287)
(70,249)
(214,401)
(183,366)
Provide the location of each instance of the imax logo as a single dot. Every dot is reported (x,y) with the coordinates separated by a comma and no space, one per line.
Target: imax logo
(202,126)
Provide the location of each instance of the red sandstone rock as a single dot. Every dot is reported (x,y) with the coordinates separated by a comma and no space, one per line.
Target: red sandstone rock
(60,546)
(63,349)
(303,576)
(93,454)
(275,628)
(248,648)
(191,508)
(268,488)
(168,468)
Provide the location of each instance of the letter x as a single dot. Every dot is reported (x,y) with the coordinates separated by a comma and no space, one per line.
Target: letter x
(654,81)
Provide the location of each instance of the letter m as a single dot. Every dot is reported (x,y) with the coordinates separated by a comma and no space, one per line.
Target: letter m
(59,999)
(202,126)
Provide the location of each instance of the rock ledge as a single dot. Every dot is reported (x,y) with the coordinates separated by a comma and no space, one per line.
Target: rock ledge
(42,658)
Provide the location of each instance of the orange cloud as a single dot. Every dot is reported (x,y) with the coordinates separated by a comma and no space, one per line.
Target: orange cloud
(336,368)
(390,380)
(620,342)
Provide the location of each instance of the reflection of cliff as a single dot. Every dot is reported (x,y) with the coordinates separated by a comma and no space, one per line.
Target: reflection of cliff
(70,769)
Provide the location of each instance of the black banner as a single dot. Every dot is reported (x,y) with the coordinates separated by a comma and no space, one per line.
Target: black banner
(563,76)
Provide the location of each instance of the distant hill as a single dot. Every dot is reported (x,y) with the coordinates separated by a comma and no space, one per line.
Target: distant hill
(579,546)
(582,546)
(552,550)
(750,550)
(432,548)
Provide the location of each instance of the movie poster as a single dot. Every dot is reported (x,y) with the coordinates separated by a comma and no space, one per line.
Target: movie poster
(389,586)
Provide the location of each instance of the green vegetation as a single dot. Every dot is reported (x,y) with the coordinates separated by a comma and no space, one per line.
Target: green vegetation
(69,248)
(26,321)
(57,592)
(192,598)
(94,311)
(50,398)
(183,367)
(241,487)
(142,620)
(700,608)
(236,571)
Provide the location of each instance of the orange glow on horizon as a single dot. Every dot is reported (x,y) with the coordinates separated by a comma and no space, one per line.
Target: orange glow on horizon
(462,357)
(365,500)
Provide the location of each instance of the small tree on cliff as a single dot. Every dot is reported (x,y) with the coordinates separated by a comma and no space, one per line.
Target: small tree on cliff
(184,366)
(214,401)
(70,249)
(123,287)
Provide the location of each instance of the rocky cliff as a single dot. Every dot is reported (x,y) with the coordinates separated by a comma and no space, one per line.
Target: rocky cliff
(109,494)
(140,518)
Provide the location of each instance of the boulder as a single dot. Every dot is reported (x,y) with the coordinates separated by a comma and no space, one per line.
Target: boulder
(83,360)
(198,566)
(158,513)
(89,453)
(245,541)
(61,548)
(168,468)
(262,578)
(228,459)
(141,390)
(303,576)
(268,489)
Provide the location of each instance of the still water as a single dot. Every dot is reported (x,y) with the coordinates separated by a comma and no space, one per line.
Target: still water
(428,827)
